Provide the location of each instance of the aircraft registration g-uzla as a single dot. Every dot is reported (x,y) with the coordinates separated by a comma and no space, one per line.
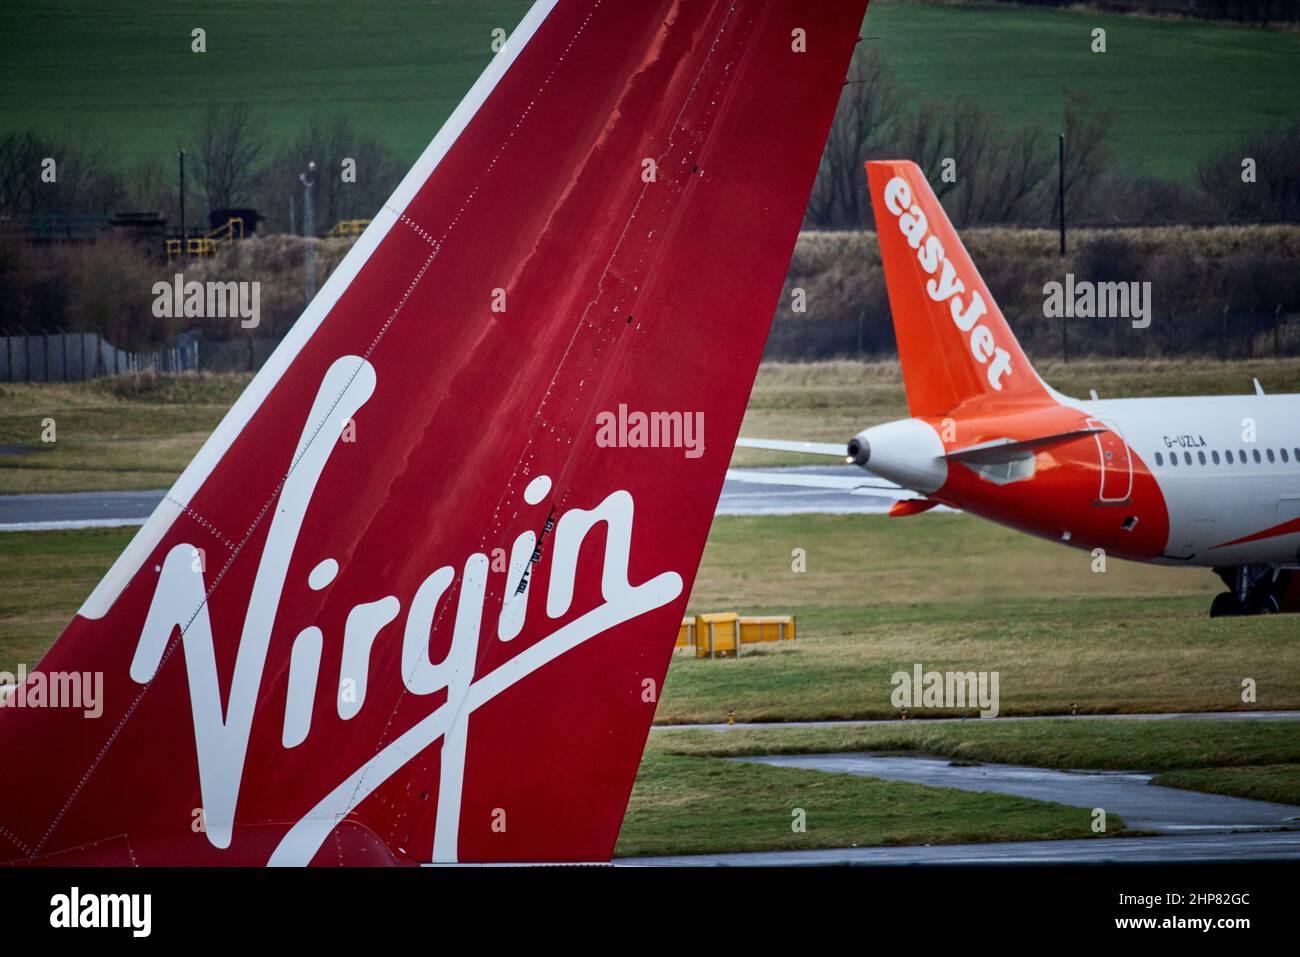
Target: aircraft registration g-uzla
(403,607)
(1207,481)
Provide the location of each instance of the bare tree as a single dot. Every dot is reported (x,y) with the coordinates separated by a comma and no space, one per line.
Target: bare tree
(1000,176)
(1087,155)
(356,173)
(232,147)
(1271,191)
(867,109)
(82,181)
(1003,176)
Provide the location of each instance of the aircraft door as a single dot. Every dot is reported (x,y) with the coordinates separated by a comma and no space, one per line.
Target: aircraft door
(1116,464)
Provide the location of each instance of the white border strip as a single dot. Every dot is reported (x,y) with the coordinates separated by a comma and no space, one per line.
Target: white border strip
(72,523)
(219,442)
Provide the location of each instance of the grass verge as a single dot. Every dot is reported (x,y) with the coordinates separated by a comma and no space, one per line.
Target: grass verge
(127,432)
(1279,783)
(1097,744)
(695,805)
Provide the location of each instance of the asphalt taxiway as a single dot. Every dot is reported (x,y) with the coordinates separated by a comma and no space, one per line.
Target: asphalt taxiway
(29,513)
(1127,794)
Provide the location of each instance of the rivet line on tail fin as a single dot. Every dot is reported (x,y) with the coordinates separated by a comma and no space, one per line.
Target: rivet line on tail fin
(693,153)
(16,841)
(402,693)
(540,423)
(202,521)
(425,234)
(178,641)
(127,714)
(415,227)
(539,416)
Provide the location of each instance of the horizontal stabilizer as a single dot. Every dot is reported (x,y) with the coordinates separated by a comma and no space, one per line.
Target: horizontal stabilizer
(999,449)
(809,448)
(835,483)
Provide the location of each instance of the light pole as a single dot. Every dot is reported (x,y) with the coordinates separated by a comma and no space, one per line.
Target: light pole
(180,158)
(308,180)
(1060,188)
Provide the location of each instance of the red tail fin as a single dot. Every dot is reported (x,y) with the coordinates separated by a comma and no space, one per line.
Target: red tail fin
(953,343)
(415,599)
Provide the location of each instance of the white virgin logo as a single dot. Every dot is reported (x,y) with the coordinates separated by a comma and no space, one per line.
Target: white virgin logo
(221,737)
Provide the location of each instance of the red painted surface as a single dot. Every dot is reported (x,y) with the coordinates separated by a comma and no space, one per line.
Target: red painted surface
(655,295)
(1065,492)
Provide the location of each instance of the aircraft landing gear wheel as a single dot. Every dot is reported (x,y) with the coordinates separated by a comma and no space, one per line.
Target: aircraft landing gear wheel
(1225,605)
(1265,604)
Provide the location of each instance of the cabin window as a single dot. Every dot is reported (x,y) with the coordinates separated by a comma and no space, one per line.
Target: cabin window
(1201,457)
(1160,459)
(1257,458)
(1187,458)
(1227,454)
(1269,453)
(1282,452)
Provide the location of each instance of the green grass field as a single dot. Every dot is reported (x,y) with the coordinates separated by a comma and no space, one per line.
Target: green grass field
(700,805)
(1279,783)
(93,71)
(138,432)
(879,594)
(127,432)
(1178,89)
(953,592)
(396,68)
(1096,744)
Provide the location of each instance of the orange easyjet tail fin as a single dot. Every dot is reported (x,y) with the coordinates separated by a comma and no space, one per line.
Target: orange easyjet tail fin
(954,345)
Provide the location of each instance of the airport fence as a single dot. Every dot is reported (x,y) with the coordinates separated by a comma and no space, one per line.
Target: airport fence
(77,356)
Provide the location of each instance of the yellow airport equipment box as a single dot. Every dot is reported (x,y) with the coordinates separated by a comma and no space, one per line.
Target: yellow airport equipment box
(767,628)
(686,633)
(717,635)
